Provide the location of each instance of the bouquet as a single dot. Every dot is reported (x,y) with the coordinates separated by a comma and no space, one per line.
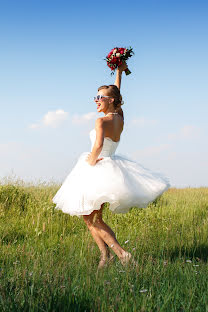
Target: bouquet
(116,57)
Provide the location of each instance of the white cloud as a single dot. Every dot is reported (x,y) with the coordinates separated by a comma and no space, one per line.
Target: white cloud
(142,122)
(186,132)
(189,131)
(34,126)
(51,119)
(80,119)
(152,151)
(56,118)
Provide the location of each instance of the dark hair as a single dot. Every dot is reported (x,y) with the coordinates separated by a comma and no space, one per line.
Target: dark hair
(113,91)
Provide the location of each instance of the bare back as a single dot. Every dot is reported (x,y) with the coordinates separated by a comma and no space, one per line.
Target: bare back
(113,127)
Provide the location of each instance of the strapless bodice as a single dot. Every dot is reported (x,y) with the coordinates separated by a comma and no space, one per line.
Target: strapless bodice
(109,146)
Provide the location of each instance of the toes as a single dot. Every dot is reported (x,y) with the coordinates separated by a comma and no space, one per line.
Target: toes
(127,259)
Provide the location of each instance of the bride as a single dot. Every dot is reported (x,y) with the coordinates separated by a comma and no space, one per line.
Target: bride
(103,176)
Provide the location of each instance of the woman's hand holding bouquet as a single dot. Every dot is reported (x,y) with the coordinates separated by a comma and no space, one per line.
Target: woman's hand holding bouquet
(117,58)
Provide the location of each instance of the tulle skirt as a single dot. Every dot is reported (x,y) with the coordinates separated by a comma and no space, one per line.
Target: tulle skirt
(116,179)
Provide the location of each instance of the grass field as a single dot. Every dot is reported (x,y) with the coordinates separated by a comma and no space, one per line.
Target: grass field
(49,260)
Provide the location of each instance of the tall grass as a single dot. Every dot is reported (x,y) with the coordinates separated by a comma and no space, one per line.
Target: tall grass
(49,260)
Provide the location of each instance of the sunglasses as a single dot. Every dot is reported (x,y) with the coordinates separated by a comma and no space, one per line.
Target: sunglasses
(99,97)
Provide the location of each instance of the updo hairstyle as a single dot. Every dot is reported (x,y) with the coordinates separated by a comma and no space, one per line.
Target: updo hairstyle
(113,91)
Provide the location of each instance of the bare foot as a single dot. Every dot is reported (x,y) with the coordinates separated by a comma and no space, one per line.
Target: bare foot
(105,260)
(127,259)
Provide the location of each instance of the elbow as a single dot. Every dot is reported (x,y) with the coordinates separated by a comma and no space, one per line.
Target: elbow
(99,146)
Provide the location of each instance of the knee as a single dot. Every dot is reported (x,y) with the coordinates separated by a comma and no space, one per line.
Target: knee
(88,219)
(98,221)
(94,219)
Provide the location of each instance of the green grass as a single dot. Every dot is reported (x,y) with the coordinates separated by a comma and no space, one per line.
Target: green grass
(49,260)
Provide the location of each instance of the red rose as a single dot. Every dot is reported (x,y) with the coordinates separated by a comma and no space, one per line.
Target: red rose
(114,59)
(110,53)
(121,50)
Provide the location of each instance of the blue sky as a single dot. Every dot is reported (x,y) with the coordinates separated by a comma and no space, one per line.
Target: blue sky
(51,64)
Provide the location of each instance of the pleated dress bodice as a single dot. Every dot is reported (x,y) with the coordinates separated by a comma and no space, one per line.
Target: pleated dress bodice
(109,146)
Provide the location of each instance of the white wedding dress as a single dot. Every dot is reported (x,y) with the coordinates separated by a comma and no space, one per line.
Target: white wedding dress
(116,179)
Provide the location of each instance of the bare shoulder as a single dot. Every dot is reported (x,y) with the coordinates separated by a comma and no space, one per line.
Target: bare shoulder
(99,123)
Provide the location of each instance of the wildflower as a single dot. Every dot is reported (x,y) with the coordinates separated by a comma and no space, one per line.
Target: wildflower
(188,261)
(143,290)
(126,241)
(106,282)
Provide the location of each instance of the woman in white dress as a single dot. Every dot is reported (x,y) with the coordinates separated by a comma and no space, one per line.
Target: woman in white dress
(103,176)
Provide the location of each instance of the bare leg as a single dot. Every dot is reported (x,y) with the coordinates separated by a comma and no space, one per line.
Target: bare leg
(103,247)
(100,229)
(108,235)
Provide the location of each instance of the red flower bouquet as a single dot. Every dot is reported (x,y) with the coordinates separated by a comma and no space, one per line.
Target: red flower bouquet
(116,57)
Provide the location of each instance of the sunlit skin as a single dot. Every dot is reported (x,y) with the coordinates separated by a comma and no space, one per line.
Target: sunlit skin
(101,232)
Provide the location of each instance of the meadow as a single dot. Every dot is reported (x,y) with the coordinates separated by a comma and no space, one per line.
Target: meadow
(48,259)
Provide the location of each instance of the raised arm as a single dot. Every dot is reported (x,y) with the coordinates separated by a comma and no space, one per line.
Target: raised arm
(119,71)
(118,78)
